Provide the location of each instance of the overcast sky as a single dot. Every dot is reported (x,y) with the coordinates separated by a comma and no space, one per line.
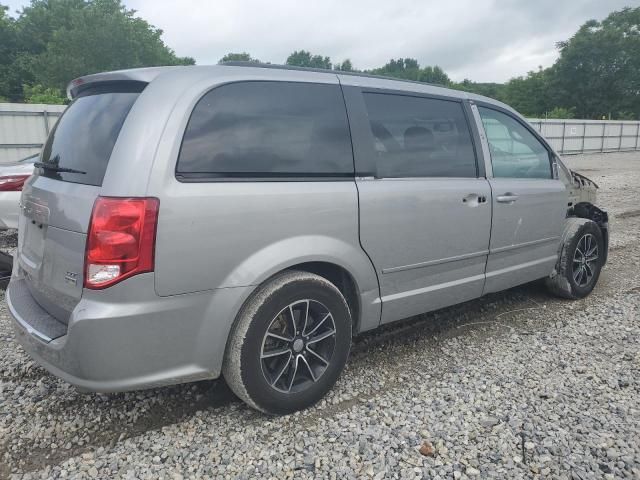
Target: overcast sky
(483,40)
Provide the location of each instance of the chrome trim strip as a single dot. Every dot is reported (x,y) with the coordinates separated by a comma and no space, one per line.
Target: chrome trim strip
(521,245)
(432,288)
(521,266)
(440,261)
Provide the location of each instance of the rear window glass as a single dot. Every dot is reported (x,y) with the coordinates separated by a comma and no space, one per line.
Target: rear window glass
(254,129)
(84,137)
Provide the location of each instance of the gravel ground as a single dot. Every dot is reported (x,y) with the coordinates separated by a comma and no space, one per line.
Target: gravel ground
(513,385)
(9,241)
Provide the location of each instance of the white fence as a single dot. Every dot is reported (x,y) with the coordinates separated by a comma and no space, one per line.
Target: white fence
(23,129)
(588,136)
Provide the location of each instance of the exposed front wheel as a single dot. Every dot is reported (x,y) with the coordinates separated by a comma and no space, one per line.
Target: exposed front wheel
(289,343)
(581,260)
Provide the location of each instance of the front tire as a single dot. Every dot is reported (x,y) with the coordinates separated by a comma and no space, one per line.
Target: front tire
(581,260)
(289,344)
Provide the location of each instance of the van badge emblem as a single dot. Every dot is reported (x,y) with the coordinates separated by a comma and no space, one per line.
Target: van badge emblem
(71,278)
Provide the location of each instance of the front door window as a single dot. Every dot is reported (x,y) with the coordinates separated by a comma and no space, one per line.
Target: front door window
(515,151)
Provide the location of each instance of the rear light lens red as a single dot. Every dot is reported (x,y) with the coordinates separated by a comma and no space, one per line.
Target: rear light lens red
(121,240)
(12,183)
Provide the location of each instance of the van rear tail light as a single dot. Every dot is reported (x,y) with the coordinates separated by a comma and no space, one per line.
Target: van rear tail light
(121,240)
(12,183)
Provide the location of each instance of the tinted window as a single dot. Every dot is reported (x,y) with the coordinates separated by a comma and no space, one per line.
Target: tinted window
(515,151)
(268,128)
(85,135)
(420,137)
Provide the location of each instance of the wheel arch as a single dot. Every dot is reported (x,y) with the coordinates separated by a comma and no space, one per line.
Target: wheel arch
(343,264)
(343,280)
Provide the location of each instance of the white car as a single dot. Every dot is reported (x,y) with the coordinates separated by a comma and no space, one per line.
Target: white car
(12,178)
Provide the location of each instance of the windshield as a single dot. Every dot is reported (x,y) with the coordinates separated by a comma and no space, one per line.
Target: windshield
(84,137)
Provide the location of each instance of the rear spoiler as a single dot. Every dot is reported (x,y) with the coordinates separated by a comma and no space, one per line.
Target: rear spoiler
(136,76)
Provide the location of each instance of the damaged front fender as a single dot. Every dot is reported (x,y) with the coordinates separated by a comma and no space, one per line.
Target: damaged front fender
(580,188)
(582,201)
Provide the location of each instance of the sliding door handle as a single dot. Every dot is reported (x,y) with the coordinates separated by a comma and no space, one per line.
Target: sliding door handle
(507,198)
(474,199)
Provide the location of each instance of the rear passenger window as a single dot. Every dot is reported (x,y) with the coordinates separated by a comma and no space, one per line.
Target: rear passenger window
(420,137)
(255,129)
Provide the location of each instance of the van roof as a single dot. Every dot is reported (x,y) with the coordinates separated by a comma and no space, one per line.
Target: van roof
(322,70)
(148,74)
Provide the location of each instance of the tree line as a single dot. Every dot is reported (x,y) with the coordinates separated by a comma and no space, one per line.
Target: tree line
(53,41)
(597,73)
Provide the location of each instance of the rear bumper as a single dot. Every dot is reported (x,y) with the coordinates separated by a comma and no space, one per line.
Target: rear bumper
(125,339)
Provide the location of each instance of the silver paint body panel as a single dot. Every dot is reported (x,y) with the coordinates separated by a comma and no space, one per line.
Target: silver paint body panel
(429,247)
(524,234)
(410,245)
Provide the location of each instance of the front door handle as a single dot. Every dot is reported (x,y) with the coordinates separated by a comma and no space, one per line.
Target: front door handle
(507,198)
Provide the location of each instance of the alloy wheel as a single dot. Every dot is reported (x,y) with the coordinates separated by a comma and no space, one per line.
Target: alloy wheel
(585,260)
(298,346)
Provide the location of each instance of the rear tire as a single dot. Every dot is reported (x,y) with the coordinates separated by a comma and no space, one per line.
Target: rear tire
(581,260)
(289,343)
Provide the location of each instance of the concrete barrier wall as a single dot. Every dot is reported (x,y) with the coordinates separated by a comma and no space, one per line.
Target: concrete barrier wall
(24,128)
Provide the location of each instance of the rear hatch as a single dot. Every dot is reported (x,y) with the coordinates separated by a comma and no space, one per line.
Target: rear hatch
(57,201)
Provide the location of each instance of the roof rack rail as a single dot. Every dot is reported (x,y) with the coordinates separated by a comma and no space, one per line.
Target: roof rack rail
(277,66)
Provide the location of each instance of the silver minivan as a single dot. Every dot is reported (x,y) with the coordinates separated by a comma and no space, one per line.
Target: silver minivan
(185,223)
